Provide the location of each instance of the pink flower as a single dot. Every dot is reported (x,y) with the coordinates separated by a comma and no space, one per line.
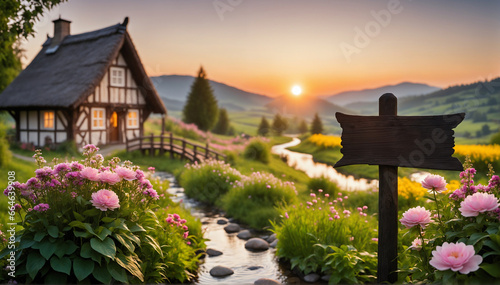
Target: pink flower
(416,216)
(327,195)
(434,183)
(125,173)
(90,173)
(105,200)
(151,169)
(457,257)
(286,215)
(41,207)
(477,203)
(416,244)
(109,177)
(375,239)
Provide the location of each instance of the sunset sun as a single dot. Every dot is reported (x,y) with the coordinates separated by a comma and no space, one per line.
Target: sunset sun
(296,90)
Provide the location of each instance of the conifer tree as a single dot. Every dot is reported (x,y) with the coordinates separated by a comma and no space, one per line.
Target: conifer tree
(316,125)
(279,125)
(264,127)
(222,125)
(201,106)
(303,127)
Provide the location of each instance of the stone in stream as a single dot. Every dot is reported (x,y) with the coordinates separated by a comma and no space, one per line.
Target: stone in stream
(244,234)
(274,243)
(326,278)
(255,267)
(311,278)
(232,228)
(222,221)
(266,281)
(256,244)
(213,252)
(271,238)
(221,271)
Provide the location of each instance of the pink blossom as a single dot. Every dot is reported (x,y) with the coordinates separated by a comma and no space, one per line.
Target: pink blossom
(434,183)
(286,215)
(477,203)
(105,200)
(152,193)
(416,216)
(327,195)
(41,207)
(457,257)
(125,173)
(416,244)
(151,169)
(186,234)
(109,177)
(336,217)
(90,173)
(375,239)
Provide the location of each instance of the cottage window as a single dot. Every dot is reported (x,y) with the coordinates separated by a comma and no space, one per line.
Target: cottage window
(98,118)
(48,120)
(117,78)
(133,119)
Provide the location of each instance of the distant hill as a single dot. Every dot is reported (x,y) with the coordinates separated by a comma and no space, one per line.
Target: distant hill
(370,95)
(174,89)
(304,106)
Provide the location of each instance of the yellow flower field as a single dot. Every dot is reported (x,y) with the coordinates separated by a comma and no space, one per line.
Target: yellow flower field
(489,153)
(325,141)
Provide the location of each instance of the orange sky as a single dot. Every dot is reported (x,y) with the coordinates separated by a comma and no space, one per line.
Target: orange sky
(326,47)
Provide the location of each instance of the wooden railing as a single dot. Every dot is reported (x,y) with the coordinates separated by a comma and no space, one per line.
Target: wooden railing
(159,145)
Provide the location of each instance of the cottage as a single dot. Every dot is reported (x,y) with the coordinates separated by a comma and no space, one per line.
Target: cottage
(90,88)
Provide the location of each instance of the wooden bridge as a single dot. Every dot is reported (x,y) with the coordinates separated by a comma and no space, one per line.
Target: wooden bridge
(159,145)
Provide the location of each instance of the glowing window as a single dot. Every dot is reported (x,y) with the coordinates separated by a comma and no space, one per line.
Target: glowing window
(133,119)
(48,120)
(117,76)
(98,118)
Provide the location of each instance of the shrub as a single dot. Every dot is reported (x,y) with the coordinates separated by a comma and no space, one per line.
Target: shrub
(94,223)
(209,180)
(257,150)
(5,154)
(323,183)
(254,199)
(310,233)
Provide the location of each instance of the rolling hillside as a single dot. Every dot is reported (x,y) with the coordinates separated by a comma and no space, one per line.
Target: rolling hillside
(305,107)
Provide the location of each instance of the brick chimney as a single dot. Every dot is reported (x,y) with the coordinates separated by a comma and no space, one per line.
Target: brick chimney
(61,30)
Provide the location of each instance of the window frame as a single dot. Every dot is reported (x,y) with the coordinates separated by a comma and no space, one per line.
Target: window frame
(112,77)
(136,119)
(46,119)
(98,119)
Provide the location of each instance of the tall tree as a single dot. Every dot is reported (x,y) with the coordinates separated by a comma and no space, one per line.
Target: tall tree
(316,125)
(264,127)
(280,124)
(222,125)
(201,107)
(303,127)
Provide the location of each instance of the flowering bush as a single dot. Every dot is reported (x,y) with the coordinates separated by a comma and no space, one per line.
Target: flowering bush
(90,222)
(462,241)
(209,180)
(254,199)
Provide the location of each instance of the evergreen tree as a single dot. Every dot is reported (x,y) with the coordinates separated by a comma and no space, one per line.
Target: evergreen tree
(303,127)
(316,125)
(201,106)
(264,127)
(222,125)
(279,125)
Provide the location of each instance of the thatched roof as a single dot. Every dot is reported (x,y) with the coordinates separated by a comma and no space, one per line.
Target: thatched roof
(67,77)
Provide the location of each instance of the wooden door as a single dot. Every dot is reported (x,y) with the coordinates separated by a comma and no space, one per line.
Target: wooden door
(114,128)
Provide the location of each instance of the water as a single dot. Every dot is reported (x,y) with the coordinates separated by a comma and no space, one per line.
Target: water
(305,162)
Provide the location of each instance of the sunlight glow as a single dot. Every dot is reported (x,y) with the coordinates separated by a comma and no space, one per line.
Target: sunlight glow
(296,90)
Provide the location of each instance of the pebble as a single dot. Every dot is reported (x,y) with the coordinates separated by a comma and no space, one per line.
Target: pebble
(222,221)
(221,271)
(274,243)
(271,238)
(213,252)
(232,228)
(256,244)
(244,234)
(313,277)
(326,278)
(266,281)
(255,267)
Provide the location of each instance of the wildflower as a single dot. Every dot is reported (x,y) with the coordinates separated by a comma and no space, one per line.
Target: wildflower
(375,239)
(17,207)
(286,215)
(152,193)
(312,195)
(109,177)
(330,218)
(185,235)
(336,217)
(90,173)
(416,244)
(73,194)
(125,173)
(351,238)
(434,183)
(151,169)
(42,207)
(105,200)
(327,195)
(478,203)
(416,216)
(457,257)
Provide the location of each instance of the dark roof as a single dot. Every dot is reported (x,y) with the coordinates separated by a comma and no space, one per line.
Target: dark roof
(67,77)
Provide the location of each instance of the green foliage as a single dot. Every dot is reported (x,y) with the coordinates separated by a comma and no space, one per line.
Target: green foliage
(254,199)
(316,125)
(324,184)
(208,181)
(257,150)
(303,127)
(264,127)
(5,154)
(280,125)
(201,106)
(222,125)
(495,139)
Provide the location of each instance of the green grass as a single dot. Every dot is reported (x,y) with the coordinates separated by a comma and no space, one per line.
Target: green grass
(161,163)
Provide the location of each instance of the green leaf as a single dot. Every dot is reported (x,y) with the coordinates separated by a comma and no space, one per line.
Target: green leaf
(125,242)
(47,249)
(81,234)
(56,278)
(87,252)
(492,230)
(34,263)
(136,228)
(66,248)
(61,264)
(89,228)
(39,236)
(131,237)
(107,219)
(101,274)
(492,269)
(103,232)
(130,264)
(82,267)
(77,224)
(91,212)
(475,237)
(106,247)
(78,216)
(117,272)
(53,231)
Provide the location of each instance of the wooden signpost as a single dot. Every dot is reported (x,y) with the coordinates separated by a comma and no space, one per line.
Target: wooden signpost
(390,141)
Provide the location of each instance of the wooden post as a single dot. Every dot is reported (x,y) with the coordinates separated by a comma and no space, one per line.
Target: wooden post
(206,152)
(171,146)
(140,144)
(183,149)
(152,149)
(162,150)
(194,152)
(162,125)
(388,207)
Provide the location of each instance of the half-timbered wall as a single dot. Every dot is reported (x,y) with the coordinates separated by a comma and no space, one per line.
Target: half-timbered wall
(118,92)
(42,127)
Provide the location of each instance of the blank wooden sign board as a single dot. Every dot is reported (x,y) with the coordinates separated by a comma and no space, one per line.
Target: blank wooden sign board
(390,141)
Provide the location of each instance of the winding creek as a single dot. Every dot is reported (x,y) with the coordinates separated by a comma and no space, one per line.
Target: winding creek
(249,266)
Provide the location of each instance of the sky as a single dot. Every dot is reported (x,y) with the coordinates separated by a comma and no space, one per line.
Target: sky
(325,46)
